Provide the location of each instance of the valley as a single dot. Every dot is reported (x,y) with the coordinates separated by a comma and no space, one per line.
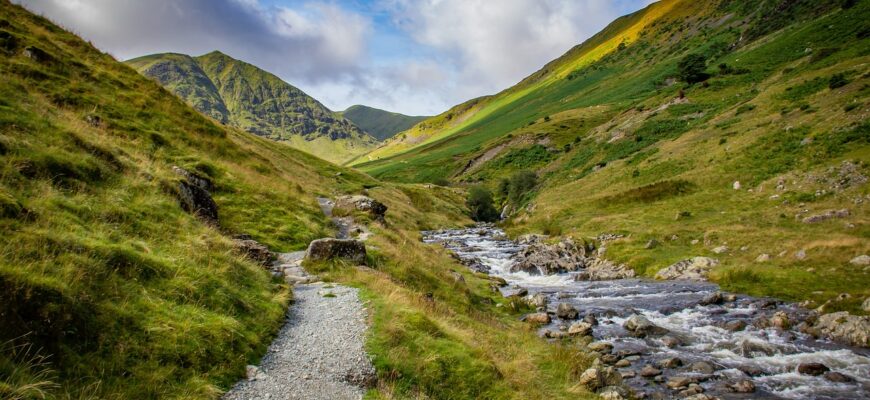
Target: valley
(677,207)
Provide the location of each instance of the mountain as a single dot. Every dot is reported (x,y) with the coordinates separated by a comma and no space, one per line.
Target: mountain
(378,123)
(731,129)
(110,290)
(241,95)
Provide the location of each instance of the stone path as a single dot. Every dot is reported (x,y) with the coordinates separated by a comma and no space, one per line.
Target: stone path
(319,353)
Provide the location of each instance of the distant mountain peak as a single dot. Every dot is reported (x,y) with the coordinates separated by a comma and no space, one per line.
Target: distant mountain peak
(380,124)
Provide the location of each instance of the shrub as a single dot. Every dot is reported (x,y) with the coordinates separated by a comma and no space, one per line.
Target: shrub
(692,68)
(441,182)
(480,205)
(521,183)
(837,81)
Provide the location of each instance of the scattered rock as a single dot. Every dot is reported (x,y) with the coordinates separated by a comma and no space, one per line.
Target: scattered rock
(601,347)
(695,268)
(193,195)
(36,54)
(712,298)
(651,244)
(537,300)
(814,369)
(735,325)
(648,371)
(670,341)
(720,249)
(679,382)
(580,329)
(741,386)
(538,318)
(362,203)
(614,393)
(844,327)
(801,254)
(862,260)
(736,185)
(672,362)
(780,320)
(566,311)
(764,257)
(254,251)
(702,367)
(329,248)
(544,259)
(826,216)
(639,326)
(838,377)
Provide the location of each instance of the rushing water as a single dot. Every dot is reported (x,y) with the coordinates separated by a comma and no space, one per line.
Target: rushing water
(769,356)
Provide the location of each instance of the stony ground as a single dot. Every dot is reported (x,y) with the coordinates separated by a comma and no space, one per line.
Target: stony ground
(319,353)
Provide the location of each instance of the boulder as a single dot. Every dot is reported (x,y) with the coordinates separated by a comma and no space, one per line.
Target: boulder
(651,244)
(639,326)
(254,251)
(844,327)
(600,347)
(362,203)
(838,377)
(648,371)
(329,248)
(814,369)
(672,362)
(598,377)
(566,311)
(537,300)
(712,298)
(197,180)
(735,325)
(580,329)
(538,318)
(695,268)
(599,269)
(862,260)
(539,258)
(764,257)
(702,367)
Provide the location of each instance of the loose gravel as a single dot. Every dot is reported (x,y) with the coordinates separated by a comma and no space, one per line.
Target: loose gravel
(319,352)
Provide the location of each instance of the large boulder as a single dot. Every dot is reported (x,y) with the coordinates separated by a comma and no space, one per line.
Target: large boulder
(546,259)
(598,377)
(844,327)
(566,311)
(695,268)
(599,269)
(253,250)
(362,203)
(329,248)
(639,326)
(193,195)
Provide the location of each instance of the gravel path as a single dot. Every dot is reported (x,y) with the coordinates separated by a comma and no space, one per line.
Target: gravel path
(319,352)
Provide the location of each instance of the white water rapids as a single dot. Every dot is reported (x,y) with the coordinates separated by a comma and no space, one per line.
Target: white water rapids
(767,356)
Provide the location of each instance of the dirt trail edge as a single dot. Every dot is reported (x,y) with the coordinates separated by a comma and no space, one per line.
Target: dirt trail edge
(319,353)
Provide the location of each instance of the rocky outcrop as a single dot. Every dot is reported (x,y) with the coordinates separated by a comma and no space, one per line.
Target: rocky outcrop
(843,327)
(639,326)
(599,269)
(695,268)
(367,204)
(194,197)
(826,216)
(545,259)
(253,250)
(328,249)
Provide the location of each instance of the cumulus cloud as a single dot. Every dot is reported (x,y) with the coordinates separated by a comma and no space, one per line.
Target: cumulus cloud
(314,42)
(411,56)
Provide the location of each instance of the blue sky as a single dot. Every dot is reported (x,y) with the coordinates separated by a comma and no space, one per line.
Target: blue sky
(410,56)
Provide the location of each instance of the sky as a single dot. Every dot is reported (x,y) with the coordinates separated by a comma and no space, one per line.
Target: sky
(418,57)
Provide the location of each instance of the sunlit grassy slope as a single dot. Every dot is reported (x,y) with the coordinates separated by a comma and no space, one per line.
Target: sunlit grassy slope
(108,290)
(616,148)
(244,96)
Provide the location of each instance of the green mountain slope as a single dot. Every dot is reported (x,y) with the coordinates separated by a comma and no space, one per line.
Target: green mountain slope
(244,96)
(621,142)
(109,290)
(378,123)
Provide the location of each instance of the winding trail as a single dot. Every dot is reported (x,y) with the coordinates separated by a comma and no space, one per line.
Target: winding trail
(320,351)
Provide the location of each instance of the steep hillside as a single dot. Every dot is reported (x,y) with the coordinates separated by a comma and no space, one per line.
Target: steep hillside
(630,133)
(244,96)
(110,290)
(378,123)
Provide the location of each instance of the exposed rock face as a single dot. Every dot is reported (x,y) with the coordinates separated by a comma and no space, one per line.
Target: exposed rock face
(639,326)
(192,193)
(826,216)
(544,259)
(362,203)
(844,327)
(599,269)
(254,251)
(695,268)
(326,249)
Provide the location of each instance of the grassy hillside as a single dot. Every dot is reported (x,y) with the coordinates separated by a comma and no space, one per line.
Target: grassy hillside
(378,123)
(620,142)
(244,96)
(109,290)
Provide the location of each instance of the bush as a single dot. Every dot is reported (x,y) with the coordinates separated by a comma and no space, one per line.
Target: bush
(441,182)
(480,205)
(692,68)
(521,183)
(837,81)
